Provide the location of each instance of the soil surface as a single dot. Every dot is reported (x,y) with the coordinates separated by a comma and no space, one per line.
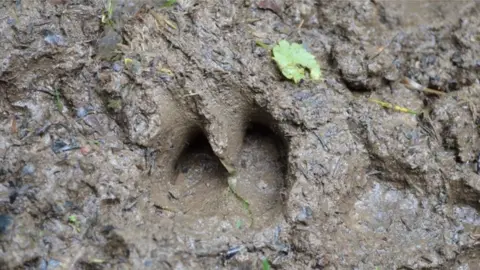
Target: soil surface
(135,134)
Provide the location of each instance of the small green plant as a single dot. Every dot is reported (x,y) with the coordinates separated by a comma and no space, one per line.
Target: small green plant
(292,59)
(114,104)
(107,16)
(58,102)
(95,142)
(73,221)
(260,43)
(232,184)
(265,264)
(239,224)
(169,3)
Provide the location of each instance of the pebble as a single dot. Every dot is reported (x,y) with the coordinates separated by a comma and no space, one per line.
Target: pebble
(53,264)
(43,265)
(28,169)
(58,145)
(5,221)
(53,39)
(81,112)
(148,263)
(11,21)
(305,215)
(117,67)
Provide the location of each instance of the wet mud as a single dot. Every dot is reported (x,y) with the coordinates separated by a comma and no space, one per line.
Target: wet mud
(160,135)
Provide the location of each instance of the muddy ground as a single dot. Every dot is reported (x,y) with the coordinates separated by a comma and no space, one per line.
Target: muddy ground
(121,131)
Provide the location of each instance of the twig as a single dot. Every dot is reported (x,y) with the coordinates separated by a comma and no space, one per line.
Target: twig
(190,95)
(231,185)
(413,85)
(336,165)
(392,106)
(324,145)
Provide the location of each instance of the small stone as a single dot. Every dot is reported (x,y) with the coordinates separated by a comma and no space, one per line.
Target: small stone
(58,145)
(262,185)
(52,38)
(28,169)
(42,265)
(305,215)
(81,112)
(5,221)
(117,67)
(84,150)
(374,68)
(11,21)
(53,264)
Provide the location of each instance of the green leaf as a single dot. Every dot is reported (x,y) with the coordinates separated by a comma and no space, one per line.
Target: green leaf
(169,3)
(263,45)
(72,219)
(246,205)
(292,59)
(239,224)
(57,101)
(265,264)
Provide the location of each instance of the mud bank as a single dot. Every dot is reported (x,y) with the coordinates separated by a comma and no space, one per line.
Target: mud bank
(121,128)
